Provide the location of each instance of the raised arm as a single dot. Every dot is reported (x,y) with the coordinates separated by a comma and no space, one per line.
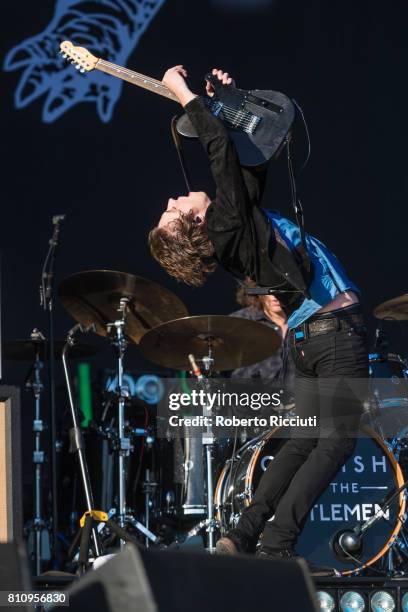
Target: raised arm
(238,190)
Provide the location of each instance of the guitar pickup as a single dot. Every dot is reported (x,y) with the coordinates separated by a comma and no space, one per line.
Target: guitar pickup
(237,119)
(215,107)
(252,125)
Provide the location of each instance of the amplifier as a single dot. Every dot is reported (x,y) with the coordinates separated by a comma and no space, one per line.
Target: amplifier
(10,465)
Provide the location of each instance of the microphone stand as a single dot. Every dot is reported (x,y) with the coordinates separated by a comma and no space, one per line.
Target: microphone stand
(46,300)
(77,444)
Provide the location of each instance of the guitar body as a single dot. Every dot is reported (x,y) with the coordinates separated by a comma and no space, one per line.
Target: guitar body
(265,141)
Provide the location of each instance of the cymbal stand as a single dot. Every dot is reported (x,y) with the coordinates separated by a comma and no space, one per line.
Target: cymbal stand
(35,384)
(116,332)
(208,442)
(77,444)
(116,329)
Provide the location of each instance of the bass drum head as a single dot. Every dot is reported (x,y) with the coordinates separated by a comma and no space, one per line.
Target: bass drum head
(352,497)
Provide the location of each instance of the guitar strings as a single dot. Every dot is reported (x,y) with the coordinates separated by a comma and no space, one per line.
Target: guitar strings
(238,117)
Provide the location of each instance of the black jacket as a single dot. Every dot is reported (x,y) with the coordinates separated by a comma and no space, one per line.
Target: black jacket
(244,241)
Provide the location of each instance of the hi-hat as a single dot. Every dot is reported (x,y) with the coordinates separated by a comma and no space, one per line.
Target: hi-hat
(393,310)
(26,350)
(94,297)
(234,342)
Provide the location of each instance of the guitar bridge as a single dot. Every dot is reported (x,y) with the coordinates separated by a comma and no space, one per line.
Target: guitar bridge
(236,119)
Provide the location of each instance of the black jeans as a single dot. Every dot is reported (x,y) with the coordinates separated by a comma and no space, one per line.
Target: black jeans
(311,457)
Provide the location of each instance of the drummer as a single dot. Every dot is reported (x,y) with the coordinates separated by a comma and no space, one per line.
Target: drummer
(279,368)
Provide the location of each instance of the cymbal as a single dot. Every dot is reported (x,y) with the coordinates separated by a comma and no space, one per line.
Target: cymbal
(395,309)
(94,296)
(235,342)
(25,350)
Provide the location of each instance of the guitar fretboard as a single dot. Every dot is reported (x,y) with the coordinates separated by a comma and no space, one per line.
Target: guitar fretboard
(136,78)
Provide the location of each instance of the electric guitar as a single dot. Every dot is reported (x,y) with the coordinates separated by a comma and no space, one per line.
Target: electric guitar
(258,121)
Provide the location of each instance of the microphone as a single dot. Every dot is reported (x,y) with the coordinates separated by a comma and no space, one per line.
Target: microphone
(57,219)
(347,544)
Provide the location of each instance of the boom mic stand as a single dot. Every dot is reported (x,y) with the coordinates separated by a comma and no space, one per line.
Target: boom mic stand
(76,439)
(46,300)
(348,545)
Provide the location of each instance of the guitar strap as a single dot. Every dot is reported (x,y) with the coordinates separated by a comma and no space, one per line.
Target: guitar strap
(297,206)
(179,149)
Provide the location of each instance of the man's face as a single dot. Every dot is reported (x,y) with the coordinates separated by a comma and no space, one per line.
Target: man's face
(196,203)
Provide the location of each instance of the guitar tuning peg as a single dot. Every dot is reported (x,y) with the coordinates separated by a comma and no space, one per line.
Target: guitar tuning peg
(82,70)
(77,66)
(64,55)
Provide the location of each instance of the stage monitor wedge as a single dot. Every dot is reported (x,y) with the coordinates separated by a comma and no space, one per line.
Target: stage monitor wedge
(166,581)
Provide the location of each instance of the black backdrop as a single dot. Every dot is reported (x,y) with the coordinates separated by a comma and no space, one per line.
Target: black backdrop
(345,63)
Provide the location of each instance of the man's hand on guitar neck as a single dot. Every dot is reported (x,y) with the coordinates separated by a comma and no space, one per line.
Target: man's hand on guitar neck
(175,80)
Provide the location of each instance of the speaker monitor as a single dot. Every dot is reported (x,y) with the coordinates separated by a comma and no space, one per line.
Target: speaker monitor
(164,581)
(10,465)
(14,571)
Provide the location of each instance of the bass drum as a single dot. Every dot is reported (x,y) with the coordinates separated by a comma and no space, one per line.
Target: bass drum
(352,497)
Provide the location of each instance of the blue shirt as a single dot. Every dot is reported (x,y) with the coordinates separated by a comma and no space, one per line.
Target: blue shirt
(329,277)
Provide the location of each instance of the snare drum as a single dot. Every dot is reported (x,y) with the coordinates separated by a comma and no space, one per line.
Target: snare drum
(389,390)
(389,375)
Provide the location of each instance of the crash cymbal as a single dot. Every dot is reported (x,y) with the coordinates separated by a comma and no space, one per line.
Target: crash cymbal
(395,309)
(235,342)
(25,350)
(94,296)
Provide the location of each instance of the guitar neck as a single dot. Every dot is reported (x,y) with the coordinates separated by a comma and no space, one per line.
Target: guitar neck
(135,78)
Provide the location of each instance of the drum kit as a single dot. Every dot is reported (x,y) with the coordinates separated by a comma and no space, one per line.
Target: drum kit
(196,488)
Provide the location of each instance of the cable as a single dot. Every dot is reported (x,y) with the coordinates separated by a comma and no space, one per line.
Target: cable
(309,144)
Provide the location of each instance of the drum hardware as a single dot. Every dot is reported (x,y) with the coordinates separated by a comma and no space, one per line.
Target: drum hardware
(393,310)
(208,442)
(348,544)
(76,438)
(229,342)
(372,410)
(387,404)
(122,307)
(93,297)
(381,343)
(116,330)
(26,350)
(35,350)
(38,525)
(149,489)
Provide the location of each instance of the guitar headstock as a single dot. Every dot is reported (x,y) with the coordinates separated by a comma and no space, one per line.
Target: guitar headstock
(84,60)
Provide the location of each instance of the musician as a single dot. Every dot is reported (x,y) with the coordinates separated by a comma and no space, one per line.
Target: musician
(326,331)
(278,368)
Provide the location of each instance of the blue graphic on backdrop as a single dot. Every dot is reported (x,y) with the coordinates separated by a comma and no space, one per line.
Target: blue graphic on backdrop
(107,28)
